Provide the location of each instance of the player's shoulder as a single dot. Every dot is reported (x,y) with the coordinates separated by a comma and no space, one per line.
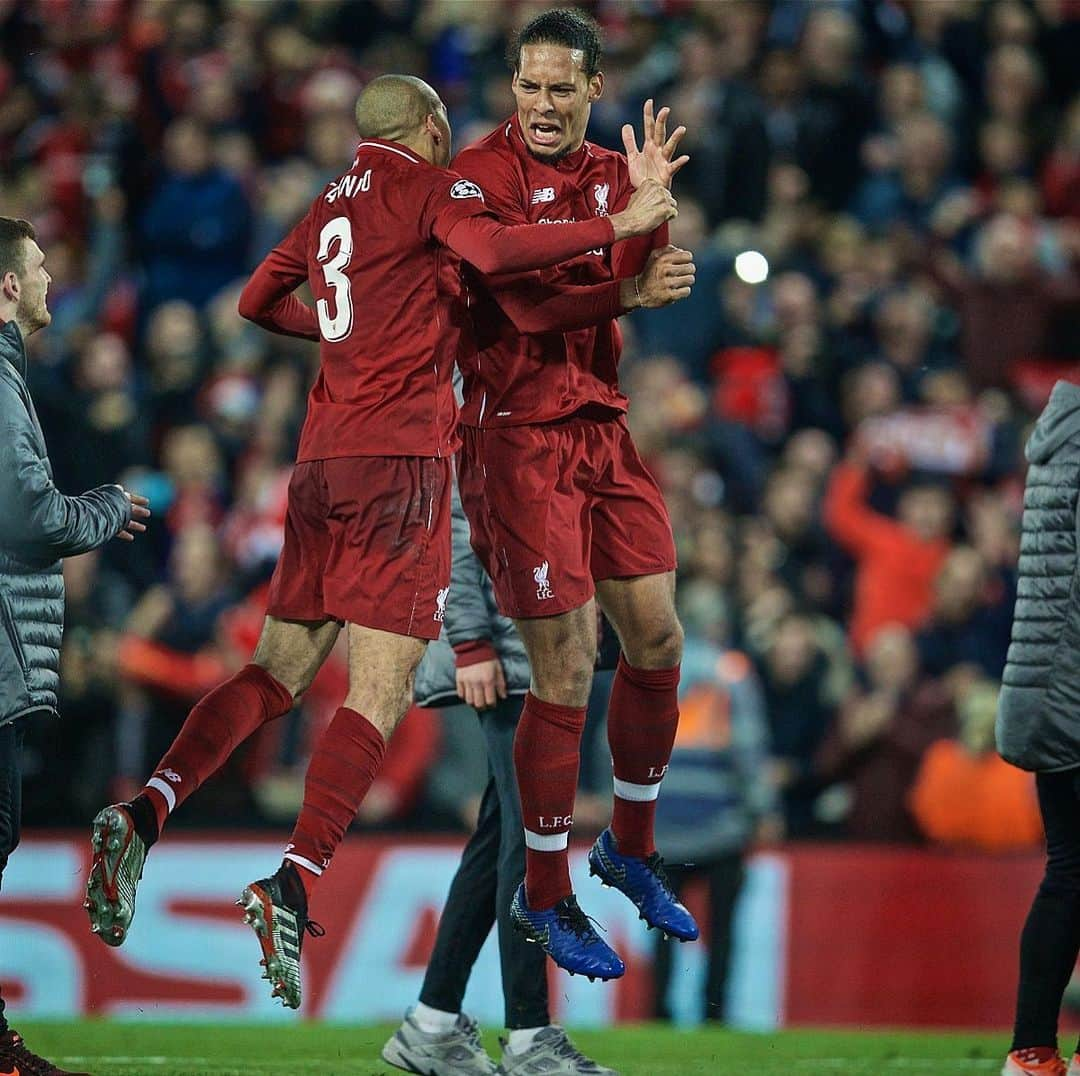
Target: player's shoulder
(493,151)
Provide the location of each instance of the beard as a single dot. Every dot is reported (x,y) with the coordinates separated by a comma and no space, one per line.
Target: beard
(34,315)
(550,158)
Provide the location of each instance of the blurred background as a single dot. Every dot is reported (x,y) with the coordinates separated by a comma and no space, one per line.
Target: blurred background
(884,205)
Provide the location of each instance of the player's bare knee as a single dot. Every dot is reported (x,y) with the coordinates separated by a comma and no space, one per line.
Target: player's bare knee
(661,647)
(566,682)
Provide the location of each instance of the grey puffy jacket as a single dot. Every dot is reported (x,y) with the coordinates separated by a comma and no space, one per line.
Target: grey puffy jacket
(38,526)
(471,615)
(1038,721)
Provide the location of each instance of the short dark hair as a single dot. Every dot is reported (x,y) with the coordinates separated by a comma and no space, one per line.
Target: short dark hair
(563,26)
(13,231)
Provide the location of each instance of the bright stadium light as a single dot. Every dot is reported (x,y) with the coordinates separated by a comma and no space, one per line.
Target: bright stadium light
(752,267)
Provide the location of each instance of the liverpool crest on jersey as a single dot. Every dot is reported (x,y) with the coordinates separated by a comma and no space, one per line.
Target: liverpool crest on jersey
(600,193)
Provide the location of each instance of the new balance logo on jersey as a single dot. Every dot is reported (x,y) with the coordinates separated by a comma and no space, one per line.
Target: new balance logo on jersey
(543,587)
(440,604)
(465,188)
(172,776)
(601,192)
(542,195)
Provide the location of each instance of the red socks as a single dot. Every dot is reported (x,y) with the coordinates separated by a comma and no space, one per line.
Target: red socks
(346,759)
(546,749)
(643,716)
(217,725)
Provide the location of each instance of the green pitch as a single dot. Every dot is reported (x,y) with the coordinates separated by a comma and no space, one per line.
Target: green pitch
(137,1049)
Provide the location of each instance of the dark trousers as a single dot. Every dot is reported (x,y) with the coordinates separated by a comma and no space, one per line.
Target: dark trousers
(11,737)
(723,877)
(492,867)
(1050,940)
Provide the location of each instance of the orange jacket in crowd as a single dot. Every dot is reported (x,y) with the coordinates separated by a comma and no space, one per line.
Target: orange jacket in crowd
(975,801)
(895,569)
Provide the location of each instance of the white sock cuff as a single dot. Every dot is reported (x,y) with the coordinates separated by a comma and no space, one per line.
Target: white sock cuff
(546,842)
(300,861)
(167,794)
(522,1038)
(433,1021)
(627,790)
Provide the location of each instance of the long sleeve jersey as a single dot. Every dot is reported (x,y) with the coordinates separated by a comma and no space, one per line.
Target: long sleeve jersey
(547,341)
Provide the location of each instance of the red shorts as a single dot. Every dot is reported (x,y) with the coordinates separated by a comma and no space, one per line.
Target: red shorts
(553,508)
(367,540)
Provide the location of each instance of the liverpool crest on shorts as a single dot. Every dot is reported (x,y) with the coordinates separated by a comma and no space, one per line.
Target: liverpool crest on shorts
(440,604)
(543,587)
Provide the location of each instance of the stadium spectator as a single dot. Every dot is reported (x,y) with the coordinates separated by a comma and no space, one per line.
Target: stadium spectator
(969,622)
(717,804)
(195,230)
(881,731)
(965,795)
(897,559)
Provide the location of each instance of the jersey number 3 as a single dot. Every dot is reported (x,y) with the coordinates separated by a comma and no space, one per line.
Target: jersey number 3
(338,325)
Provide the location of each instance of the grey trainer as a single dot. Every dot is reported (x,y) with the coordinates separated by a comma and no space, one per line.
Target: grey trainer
(115,870)
(551,1054)
(457,1052)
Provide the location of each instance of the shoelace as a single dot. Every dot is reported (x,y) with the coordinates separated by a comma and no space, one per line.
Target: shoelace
(572,918)
(470,1028)
(565,1048)
(655,863)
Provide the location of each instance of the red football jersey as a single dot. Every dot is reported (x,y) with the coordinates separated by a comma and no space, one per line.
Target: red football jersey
(388,301)
(547,342)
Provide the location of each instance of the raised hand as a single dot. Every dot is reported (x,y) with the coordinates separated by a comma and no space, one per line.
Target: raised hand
(656,158)
(650,206)
(140,510)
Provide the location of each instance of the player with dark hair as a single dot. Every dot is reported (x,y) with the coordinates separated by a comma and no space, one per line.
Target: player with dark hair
(562,509)
(39,526)
(367,533)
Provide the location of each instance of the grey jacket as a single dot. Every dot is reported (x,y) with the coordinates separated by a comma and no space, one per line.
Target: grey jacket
(1038,721)
(471,616)
(38,526)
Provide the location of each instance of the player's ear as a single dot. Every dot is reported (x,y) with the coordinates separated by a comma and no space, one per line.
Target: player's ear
(9,286)
(596,86)
(431,126)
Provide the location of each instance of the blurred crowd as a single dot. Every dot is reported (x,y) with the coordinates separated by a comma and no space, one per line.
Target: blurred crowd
(884,204)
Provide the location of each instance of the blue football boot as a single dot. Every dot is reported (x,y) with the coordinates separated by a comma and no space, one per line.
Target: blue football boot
(646,883)
(566,935)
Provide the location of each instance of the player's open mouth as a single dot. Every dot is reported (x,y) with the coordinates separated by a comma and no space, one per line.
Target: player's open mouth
(545,134)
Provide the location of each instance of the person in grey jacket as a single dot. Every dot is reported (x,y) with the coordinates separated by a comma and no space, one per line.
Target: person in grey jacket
(1038,721)
(38,527)
(479,660)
